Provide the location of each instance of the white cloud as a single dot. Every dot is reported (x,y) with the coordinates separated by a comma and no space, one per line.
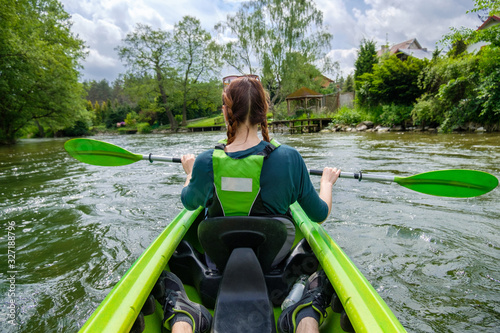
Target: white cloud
(100,61)
(397,20)
(345,58)
(103,24)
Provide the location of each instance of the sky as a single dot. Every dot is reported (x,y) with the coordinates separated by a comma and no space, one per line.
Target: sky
(103,24)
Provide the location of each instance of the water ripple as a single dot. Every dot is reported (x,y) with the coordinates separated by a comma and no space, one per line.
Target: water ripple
(80,227)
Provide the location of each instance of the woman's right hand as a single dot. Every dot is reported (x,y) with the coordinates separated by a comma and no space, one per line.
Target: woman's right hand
(330,175)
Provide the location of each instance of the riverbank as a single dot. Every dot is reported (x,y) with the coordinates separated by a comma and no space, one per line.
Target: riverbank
(281,127)
(369,126)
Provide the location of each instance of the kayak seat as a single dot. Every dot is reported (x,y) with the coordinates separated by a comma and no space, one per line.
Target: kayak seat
(271,238)
(244,248)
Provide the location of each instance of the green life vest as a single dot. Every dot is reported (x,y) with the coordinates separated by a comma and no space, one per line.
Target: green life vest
(237,183)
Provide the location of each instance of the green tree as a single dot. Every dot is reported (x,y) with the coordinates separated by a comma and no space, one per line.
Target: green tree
(492,6)
(367,57)
(97,113)
(90,108)
(104,111)
(284,37)
(149,51)
(195,56)
(461,90)
(97,91)
(348,84)
(459,38)
(239,53)
(488,90)
(392,82)
(39,62)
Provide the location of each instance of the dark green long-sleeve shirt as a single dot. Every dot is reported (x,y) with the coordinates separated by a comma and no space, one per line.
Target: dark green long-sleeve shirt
(284,179)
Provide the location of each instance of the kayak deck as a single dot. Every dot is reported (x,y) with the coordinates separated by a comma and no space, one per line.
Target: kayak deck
(120,309)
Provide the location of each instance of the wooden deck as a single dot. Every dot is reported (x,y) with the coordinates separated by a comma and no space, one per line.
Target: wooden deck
(299,125)
(207,128)
(291,126)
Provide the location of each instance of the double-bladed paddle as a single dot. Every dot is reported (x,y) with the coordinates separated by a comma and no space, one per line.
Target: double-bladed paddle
(446,183)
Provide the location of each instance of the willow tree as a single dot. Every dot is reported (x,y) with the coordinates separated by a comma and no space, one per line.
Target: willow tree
(39,62)
(286,39)
(149,51)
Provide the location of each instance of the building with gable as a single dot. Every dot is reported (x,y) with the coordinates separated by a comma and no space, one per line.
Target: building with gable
(490,22)
(406,49)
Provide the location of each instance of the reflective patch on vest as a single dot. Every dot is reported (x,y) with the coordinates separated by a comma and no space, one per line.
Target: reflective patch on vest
(236,184)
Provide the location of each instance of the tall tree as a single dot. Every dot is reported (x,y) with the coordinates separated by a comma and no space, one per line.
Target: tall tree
(240,52)
(149,51)
(285,36)
(367,57)
(348,84)
(98,91)
(98,116)
(39,62)
(194,53)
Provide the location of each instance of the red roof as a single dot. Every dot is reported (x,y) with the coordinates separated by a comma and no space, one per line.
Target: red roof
(491,18)
(404,45)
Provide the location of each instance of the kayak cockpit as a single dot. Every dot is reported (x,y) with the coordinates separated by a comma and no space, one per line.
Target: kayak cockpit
(243,249)
(253,270)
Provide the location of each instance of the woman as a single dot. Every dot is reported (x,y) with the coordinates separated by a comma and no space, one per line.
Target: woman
(250,176)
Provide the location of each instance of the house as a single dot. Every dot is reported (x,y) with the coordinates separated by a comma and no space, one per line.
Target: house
(490,22)
(324,81)
(405,49)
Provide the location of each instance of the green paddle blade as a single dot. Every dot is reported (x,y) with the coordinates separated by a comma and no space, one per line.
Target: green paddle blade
(99,153)
(450,183)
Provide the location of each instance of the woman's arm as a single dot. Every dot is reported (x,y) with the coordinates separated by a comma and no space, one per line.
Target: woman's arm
(187,163)
(329,177)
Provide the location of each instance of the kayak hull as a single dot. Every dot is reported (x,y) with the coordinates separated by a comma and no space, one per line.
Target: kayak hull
(120,311)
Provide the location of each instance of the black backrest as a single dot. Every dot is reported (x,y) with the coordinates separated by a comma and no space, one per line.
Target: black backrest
(271,238)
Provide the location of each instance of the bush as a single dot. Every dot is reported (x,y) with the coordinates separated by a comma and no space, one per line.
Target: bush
(428,111)
(117,115)
(395,114)
(80,128)
(123,130)
(131,119)
(144,128)
(348,116)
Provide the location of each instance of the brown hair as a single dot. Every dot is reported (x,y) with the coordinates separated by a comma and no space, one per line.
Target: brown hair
(245,98)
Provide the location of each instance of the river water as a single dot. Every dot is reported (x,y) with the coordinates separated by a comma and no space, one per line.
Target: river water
(75,228)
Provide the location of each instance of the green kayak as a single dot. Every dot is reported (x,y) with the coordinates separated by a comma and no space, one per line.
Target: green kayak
(251,285)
